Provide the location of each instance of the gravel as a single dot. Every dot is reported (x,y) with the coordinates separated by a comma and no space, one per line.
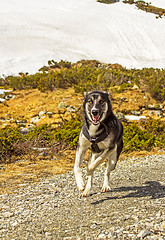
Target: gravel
(53,209)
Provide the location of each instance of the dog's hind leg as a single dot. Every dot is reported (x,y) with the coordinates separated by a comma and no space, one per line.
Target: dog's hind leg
(112,160)
(85,193)
(77,170)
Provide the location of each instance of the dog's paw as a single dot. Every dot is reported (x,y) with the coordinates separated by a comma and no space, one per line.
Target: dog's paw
(81,188)
(105,189)
(84,194)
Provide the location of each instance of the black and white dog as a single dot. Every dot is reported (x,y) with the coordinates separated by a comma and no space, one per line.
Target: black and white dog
(102,133)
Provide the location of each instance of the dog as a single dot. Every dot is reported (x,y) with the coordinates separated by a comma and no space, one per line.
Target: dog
(101,132)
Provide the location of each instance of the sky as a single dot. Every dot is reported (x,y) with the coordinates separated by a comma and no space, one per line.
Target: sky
(35,31)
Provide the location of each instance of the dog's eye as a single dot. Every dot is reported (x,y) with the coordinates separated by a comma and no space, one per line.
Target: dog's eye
(90,101)
(101,101)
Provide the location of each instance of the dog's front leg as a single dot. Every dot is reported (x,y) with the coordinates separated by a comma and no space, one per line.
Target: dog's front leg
(77,170)
(100,159)
(110,166)
(90,178)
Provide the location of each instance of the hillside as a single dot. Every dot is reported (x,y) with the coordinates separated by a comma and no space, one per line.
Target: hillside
(30,109)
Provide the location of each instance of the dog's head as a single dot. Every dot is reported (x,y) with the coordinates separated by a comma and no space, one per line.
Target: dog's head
(96,106)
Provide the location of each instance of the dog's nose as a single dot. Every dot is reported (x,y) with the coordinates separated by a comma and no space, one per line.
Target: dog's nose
(95,112)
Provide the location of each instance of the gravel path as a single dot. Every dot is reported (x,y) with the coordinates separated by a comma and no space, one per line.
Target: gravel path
(52,208)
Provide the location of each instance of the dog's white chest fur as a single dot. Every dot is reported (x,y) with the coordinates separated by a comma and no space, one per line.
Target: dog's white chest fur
(93,129)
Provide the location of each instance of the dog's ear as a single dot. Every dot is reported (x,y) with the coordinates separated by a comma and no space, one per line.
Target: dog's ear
(85,94)
(107,93)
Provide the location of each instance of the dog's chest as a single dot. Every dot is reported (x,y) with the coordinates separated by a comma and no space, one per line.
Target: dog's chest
(106,142)
(93,131)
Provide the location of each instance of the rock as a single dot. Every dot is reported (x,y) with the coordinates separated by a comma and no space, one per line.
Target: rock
(123,99)
(93,226)
(29,128)
(71,109)
(35,120)
(42,113)
(50,114)
(135,87)
(21,122)
(62,105)
(2,168)
(8,215)
(102,235)
(2,100)
(48,234)
(155,112)
(136,113)
(155,106)
(10,96)
(143,234)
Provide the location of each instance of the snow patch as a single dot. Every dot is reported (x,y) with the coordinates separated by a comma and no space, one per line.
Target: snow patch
(134,118)
(33,32)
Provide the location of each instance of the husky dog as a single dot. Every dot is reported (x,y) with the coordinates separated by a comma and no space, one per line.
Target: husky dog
(102,133)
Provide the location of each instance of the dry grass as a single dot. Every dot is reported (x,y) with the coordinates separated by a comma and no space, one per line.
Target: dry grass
(28,103)
(25,170)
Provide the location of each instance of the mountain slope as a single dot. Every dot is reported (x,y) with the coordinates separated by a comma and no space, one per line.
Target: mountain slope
(35,31)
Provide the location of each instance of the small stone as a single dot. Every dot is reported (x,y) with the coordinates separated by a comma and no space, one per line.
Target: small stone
(42,113)
(8,214)
(62,105)
(135,87)
(50,114)
(102,235)
(48,234)
(136,113)
(143,234)
(93,226)
(35,120)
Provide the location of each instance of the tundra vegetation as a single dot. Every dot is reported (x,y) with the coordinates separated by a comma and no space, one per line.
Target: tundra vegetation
(83,76)
(142,5)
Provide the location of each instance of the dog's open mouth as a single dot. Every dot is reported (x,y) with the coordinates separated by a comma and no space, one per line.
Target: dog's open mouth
(95,119)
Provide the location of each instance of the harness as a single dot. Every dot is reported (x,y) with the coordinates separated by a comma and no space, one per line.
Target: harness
(96,139)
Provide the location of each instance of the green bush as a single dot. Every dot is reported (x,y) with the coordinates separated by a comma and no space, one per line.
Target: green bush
(92,75)
(8,138)
(150,134)
(69,132)
(147,136)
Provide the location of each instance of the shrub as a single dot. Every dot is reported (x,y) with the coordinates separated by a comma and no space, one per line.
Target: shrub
(69,132)
(145,6)
(150,134)
(107,1)
(8,138)
(90,75)
(137,139)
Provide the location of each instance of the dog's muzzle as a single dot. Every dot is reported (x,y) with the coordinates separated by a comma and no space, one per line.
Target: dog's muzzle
(95,116)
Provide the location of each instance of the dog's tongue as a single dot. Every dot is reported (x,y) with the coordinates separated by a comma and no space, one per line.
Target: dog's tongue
(95,119)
